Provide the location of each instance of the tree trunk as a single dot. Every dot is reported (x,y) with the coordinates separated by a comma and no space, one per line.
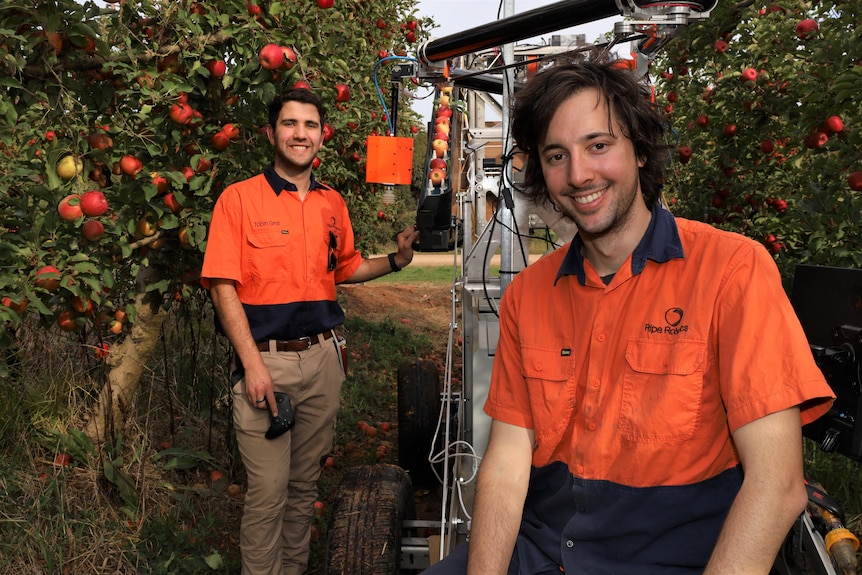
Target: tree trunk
(127,360)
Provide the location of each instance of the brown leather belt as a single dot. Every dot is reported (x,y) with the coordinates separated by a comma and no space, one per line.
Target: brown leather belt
(300,344)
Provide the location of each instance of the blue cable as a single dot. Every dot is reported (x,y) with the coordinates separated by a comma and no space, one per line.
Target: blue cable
(380,92)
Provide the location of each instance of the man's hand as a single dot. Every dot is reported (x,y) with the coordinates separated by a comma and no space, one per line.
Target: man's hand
(376,267)
(405,245)
(258,382)
(259,390)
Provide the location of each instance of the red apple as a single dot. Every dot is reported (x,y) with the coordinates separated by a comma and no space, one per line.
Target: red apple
(181,113)
(855,181)
(730,130)
(440,148)
(82,305)
(188,172)
(444,112)
(749,75)
(130,165)
(806,27)
(145,227)
(301,85)
(342,93)
(93,230)
(437,163)
(102,350)
(100,141)
(220,141)
(47,278)
(271,56)
(381,23)
(70,208)
(204,164)
(720,46)
(253,9)
(319,507)
(779,205)
(66,320)
(437,176)
(315,163)
(172,203)
(160,182)
(231,131)
(328,132)
(93,203)
(325,4)
(217,68)
(833,125)
(685,154)
(18,308)
(767,146)
(702,120)
(62,459)
(441,136)
(816,139)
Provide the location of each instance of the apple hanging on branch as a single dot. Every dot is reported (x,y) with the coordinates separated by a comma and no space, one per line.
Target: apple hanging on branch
(271,57)
(70,208)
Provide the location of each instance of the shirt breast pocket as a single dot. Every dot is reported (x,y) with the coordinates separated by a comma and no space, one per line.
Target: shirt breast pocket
(662,390)
(268,257)
(547,372)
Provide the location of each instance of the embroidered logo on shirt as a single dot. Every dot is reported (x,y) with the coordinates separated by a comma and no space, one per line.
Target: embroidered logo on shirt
(333,226)
(565,352)
(673,318)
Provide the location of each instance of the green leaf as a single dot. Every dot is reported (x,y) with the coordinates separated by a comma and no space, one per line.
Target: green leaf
(214,561)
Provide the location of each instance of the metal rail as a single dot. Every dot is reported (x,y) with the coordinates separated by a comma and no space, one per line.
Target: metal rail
(518,27)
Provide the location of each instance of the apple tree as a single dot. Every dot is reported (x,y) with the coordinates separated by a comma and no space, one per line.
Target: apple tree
(765,102)
(122,123)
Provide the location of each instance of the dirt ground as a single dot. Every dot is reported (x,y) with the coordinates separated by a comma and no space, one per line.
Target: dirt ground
(425,306)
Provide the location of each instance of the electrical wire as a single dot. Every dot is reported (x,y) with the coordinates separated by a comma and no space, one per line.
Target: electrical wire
(380,92)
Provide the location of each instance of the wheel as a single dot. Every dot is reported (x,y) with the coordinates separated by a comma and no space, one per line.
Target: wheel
(369,508)
(419,403)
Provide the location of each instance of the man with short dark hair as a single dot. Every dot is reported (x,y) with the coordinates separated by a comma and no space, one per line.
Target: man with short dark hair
(650,380)
(278,244)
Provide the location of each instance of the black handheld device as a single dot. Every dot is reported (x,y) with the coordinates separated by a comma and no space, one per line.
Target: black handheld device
(281,423)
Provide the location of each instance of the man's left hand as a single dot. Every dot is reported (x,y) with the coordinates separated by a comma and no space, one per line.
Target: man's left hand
(405,245)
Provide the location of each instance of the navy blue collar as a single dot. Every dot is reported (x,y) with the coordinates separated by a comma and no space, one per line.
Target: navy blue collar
(279,184)
(659,243)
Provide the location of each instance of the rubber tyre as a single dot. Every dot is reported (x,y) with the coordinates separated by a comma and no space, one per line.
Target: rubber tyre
(367,514)
(419,403)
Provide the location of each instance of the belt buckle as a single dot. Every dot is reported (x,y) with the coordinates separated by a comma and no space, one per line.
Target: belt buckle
(307,341)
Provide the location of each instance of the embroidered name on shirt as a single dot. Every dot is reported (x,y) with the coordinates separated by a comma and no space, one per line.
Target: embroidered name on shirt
(267,224)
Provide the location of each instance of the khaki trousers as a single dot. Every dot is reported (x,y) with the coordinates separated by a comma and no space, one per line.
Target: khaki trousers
(283,472)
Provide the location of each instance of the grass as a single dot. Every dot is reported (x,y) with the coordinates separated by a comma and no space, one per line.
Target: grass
(418,274)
